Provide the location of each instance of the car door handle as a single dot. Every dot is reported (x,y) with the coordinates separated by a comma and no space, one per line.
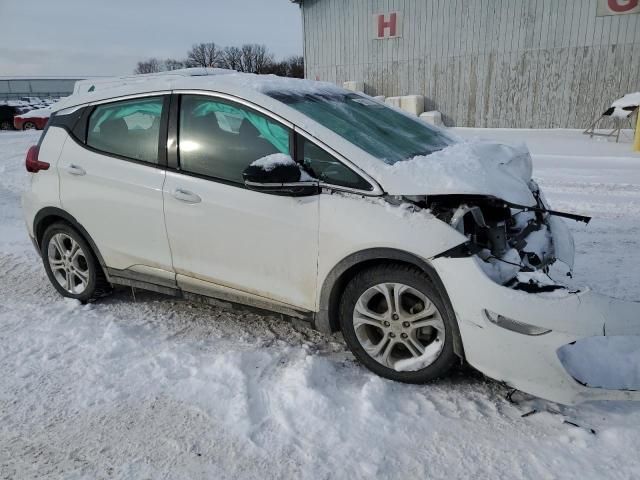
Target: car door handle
(186,196)
(75,170)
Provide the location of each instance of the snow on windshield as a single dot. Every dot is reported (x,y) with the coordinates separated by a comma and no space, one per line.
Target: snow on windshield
(385,133)
(468,166)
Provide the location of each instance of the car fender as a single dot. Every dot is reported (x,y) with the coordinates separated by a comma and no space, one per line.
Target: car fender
(40,223)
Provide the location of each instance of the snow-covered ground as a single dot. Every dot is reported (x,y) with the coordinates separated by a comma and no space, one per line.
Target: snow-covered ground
(150,387)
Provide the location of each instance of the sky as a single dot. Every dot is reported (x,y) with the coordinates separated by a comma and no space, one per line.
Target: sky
(90,37)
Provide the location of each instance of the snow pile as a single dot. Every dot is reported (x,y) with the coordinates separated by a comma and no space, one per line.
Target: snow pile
(605,362)
(502,269)
(539,242)
(272,161)
(430,353)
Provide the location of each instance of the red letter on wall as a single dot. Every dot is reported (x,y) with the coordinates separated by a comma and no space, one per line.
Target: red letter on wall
(391,24)
(618,6)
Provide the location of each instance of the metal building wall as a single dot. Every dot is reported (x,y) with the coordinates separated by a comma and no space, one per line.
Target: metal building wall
(488,63)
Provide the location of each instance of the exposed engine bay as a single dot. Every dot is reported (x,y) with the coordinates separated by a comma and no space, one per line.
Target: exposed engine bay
(514,242)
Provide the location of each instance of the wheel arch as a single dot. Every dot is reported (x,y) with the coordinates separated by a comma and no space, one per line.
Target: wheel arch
(49,215)
(326,319)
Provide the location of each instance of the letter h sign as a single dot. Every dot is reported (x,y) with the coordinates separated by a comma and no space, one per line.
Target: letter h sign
(386,25)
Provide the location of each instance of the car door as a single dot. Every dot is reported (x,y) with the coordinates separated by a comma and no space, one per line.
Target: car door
(111,182)
(228,241)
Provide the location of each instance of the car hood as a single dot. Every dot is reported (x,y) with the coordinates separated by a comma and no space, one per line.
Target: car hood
(473,168)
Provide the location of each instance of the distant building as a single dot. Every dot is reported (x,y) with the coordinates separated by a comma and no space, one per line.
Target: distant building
(486,63)
(14,88)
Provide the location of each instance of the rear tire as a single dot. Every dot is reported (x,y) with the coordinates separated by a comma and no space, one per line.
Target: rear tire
(71,265)
(410,342)
(6,125)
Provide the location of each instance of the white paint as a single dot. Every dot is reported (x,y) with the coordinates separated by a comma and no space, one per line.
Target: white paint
(119,203)
(266,245)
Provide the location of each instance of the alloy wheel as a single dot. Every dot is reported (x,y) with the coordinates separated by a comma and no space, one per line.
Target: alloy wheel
(68,263)
(395,322)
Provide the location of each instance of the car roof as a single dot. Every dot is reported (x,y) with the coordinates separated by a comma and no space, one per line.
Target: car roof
(244,85)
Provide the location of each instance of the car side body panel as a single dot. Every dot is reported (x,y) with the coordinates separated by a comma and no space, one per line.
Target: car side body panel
(350,223)
(119,202)
(262,244)
(44,190)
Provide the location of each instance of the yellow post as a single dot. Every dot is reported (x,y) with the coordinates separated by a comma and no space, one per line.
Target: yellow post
(636,138)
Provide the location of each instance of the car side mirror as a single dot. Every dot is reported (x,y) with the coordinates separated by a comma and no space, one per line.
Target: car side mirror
(278,174)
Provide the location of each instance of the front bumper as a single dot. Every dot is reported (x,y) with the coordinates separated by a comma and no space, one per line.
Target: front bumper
(531,363)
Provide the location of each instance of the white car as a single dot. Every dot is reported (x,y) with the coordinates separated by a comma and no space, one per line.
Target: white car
(321,204)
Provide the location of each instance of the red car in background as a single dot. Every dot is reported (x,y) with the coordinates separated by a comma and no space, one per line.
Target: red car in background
(32,120)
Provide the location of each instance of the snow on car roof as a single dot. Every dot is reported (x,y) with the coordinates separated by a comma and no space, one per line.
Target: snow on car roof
(215,79)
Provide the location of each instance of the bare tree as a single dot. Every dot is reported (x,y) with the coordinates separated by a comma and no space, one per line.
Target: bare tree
(232,58)
(151,65)
(204,55)
(250,58)
(172,64)
(295,66)
(290,67)
(255,58)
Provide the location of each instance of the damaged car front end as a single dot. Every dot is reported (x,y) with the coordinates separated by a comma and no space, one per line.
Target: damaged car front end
(472,211)
(520,321)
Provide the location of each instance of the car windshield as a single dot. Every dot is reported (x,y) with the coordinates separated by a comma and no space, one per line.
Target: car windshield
(381,131)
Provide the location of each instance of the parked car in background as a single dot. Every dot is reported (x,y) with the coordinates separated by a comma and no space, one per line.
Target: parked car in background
(32,120)
(7,112)
(31,100)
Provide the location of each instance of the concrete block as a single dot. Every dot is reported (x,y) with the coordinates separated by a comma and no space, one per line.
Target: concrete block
(433,117)
(409,103)
(412,104)
(353,86)
(380,98)
(393,101)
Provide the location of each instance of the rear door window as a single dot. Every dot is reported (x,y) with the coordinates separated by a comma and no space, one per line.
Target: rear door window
(129,128)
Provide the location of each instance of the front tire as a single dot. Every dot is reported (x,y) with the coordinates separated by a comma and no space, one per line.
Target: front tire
(395,322)
(28,126)
(71,265)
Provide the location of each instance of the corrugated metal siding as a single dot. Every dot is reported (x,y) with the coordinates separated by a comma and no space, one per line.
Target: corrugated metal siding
(489,63)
